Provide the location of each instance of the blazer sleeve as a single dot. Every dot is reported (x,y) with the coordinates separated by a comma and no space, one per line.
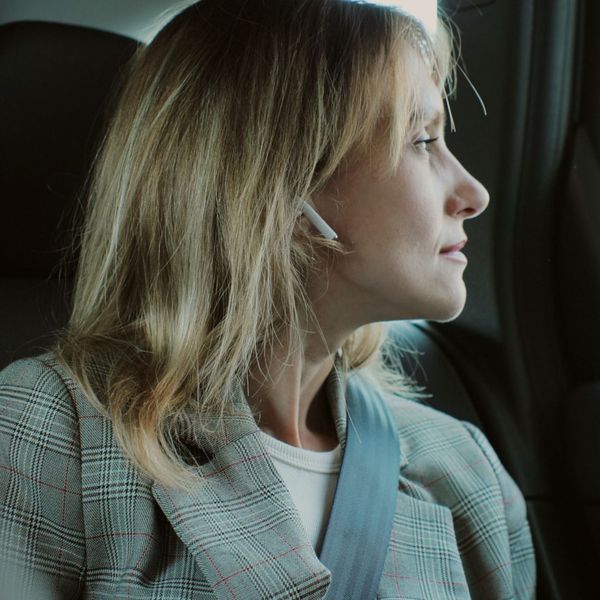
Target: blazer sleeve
(515,511)
(42,540)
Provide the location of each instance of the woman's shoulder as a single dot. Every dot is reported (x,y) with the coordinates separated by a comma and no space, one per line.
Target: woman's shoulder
(421,426)
(44,382)
(429,436)
(36,387)
(49,424)
(28,369)
(40,467)
(42,409)
(450,461)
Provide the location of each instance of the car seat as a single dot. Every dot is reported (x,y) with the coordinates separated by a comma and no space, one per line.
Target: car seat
(54,80)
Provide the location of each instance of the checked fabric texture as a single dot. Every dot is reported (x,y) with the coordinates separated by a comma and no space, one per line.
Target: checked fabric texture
(78,521)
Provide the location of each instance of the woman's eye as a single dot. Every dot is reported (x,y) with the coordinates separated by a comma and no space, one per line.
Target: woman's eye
(424,143)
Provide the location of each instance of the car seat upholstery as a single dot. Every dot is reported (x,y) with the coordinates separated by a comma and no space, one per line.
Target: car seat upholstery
(55,80)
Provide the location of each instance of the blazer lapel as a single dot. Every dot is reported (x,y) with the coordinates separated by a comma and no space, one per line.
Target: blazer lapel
(238,519)
(423,560)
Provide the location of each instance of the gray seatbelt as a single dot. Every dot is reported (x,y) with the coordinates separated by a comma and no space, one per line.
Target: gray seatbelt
(360,522)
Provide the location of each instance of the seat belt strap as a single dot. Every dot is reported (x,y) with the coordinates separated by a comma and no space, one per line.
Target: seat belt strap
(360,523)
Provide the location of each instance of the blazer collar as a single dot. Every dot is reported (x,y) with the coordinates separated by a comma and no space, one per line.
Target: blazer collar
(238,519)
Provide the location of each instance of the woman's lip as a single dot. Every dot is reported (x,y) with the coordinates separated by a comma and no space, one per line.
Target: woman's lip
(456,256)
(454,248)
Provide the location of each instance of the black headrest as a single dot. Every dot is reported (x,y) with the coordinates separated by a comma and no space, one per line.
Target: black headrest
(55,81)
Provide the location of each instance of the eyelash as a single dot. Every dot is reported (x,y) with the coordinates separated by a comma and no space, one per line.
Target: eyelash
(426,142)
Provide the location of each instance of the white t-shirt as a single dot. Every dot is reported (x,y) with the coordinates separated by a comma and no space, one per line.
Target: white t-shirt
(311,478)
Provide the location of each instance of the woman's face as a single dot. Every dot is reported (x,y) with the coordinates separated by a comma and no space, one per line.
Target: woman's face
(396,226)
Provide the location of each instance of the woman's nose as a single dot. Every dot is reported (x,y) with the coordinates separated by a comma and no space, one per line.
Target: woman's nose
(471,197)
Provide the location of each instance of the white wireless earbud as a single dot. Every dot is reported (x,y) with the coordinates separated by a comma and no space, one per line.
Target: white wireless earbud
(313,216)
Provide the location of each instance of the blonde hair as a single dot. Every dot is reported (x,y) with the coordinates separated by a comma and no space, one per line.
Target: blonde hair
(192,257)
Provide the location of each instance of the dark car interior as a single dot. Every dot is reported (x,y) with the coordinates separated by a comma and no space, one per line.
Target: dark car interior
(522,361)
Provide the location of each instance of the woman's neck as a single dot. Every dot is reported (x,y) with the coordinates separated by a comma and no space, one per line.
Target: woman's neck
(292,405)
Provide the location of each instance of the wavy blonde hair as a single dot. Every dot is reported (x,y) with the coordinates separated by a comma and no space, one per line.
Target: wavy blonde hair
(192,259)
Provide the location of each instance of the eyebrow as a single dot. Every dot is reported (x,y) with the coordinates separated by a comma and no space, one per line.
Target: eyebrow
(433,116)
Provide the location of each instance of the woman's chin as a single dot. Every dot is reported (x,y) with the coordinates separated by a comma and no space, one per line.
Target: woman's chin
(446,308)
(447,318)
(449,308)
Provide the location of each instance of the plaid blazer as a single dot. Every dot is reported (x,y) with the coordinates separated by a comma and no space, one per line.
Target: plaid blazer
(77,520)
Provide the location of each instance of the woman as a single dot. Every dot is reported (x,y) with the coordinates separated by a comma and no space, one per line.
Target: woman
(183,437)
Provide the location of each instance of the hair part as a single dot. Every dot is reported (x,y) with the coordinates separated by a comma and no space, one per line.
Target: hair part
(192,260)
